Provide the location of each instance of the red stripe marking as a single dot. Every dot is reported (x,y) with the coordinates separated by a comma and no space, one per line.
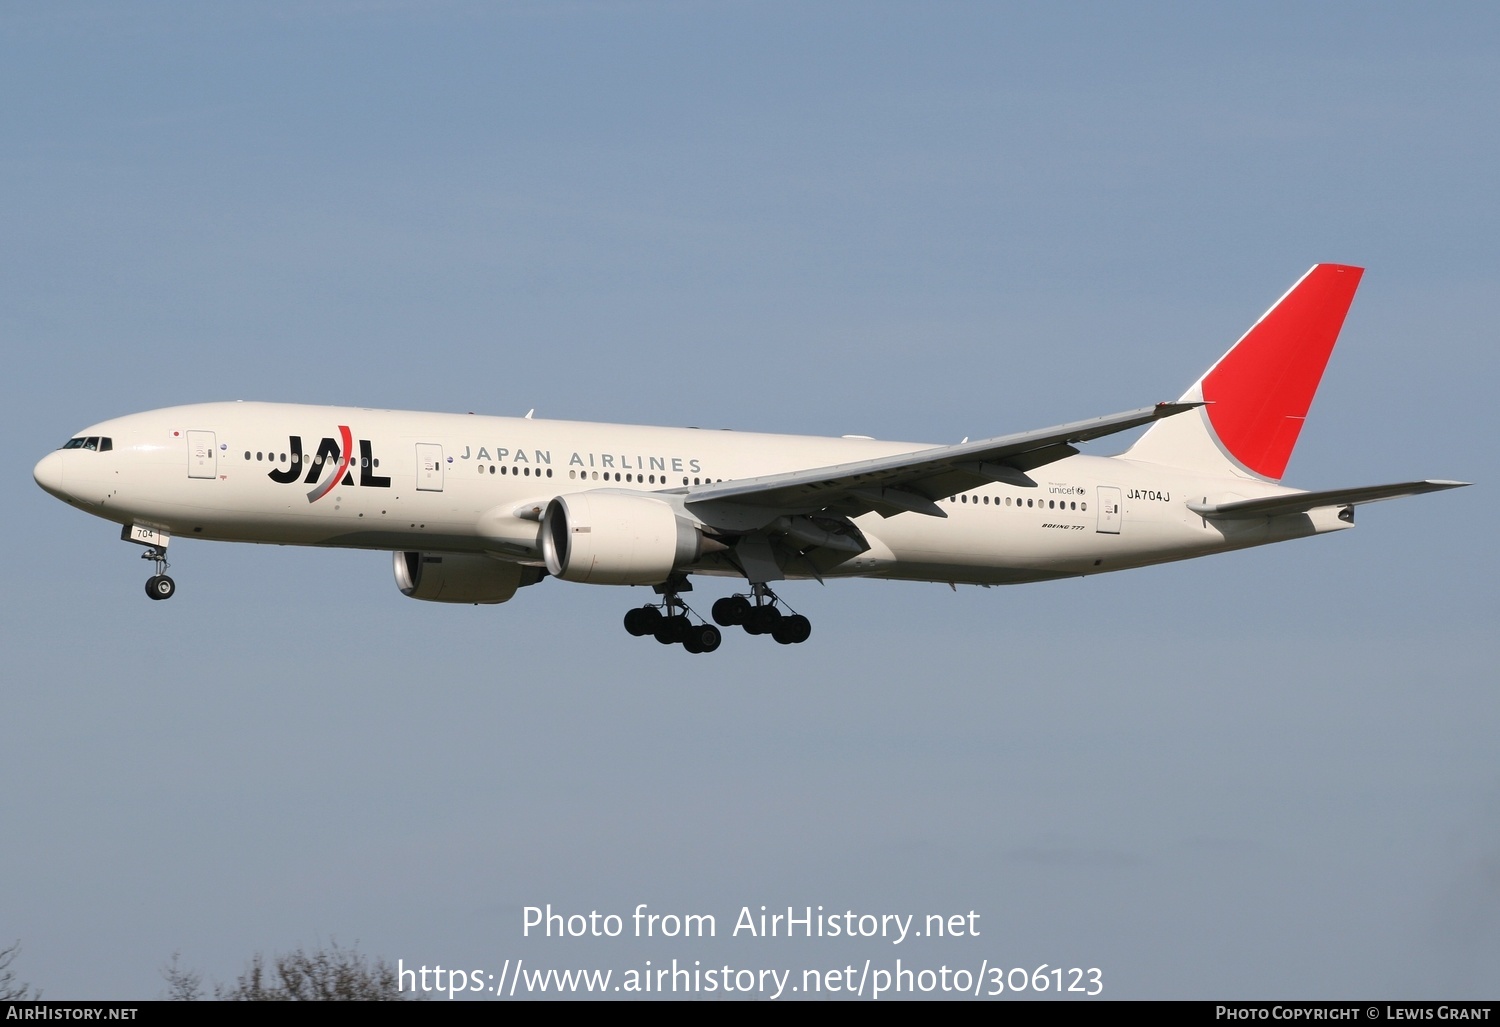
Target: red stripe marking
(343,467)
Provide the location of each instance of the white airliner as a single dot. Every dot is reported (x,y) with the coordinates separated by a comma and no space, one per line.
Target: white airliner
(474,507)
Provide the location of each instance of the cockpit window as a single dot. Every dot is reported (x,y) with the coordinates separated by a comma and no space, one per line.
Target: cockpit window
(75,443)
(92,443)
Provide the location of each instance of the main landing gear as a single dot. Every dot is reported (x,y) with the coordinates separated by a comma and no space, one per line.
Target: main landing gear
(670,622)
(759,613)
(159,586)
(762,616)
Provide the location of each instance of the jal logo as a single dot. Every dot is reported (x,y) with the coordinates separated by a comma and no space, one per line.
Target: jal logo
(335,454)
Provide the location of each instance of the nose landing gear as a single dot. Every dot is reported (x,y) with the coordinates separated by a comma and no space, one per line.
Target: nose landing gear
(159,586)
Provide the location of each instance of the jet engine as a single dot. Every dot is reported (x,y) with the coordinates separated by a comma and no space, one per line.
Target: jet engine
(460,577)
(613,538)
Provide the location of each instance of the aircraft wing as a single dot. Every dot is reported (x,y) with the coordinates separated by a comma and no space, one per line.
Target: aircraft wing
(913,482)
(1302,502)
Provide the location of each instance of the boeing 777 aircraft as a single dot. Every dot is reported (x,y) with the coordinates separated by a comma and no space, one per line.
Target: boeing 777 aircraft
(475,508)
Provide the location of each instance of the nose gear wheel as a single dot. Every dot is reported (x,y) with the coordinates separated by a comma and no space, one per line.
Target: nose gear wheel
(159,586)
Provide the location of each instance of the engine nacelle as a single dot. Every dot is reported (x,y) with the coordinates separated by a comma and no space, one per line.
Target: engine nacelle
(613,538)
(460,578)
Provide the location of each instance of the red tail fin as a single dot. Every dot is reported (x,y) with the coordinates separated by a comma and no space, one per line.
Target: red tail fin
(1258,394)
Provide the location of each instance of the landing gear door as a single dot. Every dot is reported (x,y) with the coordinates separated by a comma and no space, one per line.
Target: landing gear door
(203,457)
(429,467)
(1109,510)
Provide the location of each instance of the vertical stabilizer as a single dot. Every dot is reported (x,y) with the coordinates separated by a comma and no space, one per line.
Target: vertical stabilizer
(1258,394)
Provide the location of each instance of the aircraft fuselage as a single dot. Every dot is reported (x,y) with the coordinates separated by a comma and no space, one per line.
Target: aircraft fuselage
(475,508)
(395,480)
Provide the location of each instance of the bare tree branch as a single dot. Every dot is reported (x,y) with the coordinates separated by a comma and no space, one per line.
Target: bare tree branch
(10,989)
(183,985)
(332,974)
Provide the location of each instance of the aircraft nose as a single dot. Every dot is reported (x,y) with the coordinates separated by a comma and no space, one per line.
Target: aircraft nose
(49,473)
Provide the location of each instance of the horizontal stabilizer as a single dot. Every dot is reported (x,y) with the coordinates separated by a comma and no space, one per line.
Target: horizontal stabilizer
(1302,502)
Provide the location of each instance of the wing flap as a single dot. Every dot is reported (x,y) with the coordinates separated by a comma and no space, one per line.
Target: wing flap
(914,481)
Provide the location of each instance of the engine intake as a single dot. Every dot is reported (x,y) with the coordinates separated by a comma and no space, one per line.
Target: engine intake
(460,577)
(613,538)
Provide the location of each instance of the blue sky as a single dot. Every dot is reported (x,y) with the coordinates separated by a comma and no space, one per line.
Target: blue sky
(1268,774)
